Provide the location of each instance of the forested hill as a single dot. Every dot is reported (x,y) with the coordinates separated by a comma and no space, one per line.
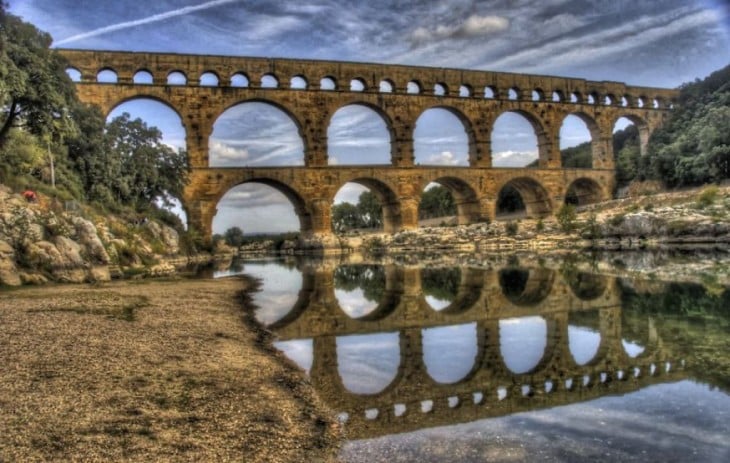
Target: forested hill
(693,147)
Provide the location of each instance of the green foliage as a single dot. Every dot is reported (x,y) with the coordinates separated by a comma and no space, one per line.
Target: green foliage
(580,156)
(693,146)
(436,202)
(539,225)
(233,237)
(369,278)
(511,228)
(566,217)
(591,229)
(35,92)
(366,214)
(441,283)
(510,200)
(707,196)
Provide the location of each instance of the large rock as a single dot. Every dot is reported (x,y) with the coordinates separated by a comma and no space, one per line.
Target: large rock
(171,239)
(70,252)
(89,239)
(8,270)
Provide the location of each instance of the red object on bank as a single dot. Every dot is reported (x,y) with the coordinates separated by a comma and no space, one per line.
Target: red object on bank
(30,196)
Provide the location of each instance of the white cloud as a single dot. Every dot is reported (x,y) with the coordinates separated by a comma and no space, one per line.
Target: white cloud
(473,26)
(513,158)
(444,158)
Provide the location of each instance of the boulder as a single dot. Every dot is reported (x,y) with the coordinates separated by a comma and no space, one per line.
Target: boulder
(89,239)
(8,270)
(70,252)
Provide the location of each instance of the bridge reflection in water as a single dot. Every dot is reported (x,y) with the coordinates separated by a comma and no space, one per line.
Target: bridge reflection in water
(397,348)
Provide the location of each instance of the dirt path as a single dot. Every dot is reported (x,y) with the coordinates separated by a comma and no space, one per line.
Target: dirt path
(149,371)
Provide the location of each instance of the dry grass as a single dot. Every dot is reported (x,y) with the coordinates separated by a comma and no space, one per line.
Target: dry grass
(153,371)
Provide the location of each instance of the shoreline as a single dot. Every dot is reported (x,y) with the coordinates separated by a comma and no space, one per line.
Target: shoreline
(151,370)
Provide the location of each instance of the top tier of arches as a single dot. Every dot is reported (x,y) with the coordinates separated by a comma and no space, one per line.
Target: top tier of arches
(223,71)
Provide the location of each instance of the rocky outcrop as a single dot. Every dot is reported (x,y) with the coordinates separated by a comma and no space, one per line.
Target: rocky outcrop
(40,242)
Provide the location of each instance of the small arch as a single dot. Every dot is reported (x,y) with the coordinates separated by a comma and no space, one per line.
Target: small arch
(465,91)
(386,86)
(298,83)
(583,191)
(576,97)
(655,103)
(143,77)
(357,85)
(640,101)
(490,92)
(107,76)
(587,286)
(513,93)
(328,83)
(177,78)
(240,80)
(209,79)
(592,98)
(413,88)
(73,74)
(538,95)
(557,96)
(269,81)
(440,89)
(624,101)
(608,100)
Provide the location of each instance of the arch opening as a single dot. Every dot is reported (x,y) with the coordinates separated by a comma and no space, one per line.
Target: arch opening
(448,201)
(465,91)
(269,81)
(73,74)
(261,207)
(630,141)
(413,87)
(365,204)
(209,79)
(358,135)
(327,83)
(523,196)
(526,287)
(440,89)
(440,138)
(577,134)
(255,133)
(369,363)
(583,191)
(490,92)
(385,86)
(357,85)
(516,138)
(450,352)
(176,78)
(440,286)
(107,76)
(359,289)
(143,77)
(298,83)
(584,335)
(240,80)
(522,342)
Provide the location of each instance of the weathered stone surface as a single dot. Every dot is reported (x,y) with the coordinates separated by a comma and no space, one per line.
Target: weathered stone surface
(401,184)
(70,252)
(8,270)
(88,237)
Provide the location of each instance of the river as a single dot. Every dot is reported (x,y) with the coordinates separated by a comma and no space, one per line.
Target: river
(505,361)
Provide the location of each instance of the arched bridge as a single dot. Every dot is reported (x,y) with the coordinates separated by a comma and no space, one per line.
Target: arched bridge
(310,92)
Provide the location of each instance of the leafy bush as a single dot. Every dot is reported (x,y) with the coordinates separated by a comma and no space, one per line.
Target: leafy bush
(707,197)
(511,228)
(566,217)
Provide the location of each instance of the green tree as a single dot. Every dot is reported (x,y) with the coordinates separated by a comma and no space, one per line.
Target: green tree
(233,237)
(436,202)
(345,217)
(149,169)
(369,210)
(35,92)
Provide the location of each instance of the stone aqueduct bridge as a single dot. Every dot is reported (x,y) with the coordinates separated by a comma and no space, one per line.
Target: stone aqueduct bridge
(557,379)
(544,101)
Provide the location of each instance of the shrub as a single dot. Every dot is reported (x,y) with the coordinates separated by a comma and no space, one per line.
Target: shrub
(511,228)
(566,217)
(707,196)
(539,226)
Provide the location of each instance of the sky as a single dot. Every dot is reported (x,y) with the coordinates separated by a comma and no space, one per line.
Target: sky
(659,43)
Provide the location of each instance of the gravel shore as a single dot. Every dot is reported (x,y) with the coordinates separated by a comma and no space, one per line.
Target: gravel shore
(150,371)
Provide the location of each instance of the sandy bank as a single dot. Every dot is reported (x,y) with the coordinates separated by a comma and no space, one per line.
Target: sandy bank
(149,371)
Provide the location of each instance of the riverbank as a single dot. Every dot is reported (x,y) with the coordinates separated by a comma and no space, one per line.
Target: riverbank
(150,370)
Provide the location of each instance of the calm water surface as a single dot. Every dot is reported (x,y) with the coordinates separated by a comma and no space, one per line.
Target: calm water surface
(506,364)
